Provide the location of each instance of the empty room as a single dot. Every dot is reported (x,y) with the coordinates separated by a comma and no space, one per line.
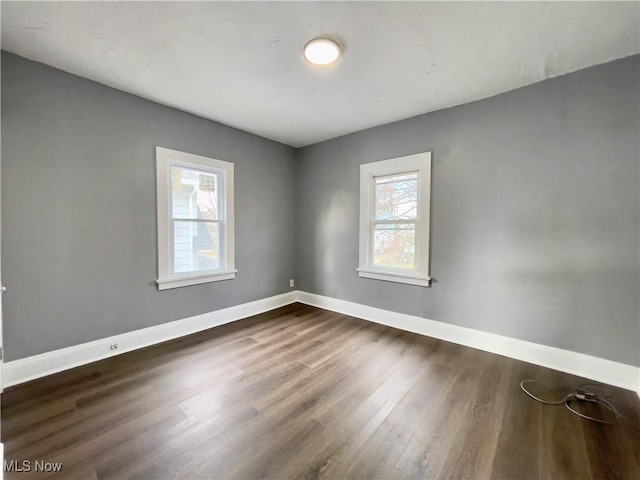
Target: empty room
(338,240)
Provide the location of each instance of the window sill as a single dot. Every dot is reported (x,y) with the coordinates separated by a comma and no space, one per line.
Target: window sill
(176,282)
(410,279)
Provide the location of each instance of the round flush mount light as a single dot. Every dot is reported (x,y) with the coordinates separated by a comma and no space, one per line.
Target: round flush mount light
(321,51)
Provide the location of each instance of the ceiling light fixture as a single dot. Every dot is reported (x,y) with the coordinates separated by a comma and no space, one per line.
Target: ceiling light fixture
(321,51)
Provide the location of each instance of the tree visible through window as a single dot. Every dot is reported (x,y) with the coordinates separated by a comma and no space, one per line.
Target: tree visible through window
(394,219)
(195,219)
(396,210)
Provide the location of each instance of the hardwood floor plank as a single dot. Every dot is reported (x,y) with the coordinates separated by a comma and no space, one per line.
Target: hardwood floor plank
(267,464)
(184,447)
(50,437)
(518,451)
(383,449)
(130,439)
(424,456)
(471,456)
(246,388)
(340,440)
(20,423)
(562,456)
(407,372)
(610,451)
(300,392)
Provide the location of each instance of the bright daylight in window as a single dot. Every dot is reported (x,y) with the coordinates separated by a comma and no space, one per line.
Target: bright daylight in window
(195,219)
(394,219)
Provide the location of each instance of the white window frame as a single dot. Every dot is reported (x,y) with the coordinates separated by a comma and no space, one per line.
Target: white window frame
(421,164)
(165,159)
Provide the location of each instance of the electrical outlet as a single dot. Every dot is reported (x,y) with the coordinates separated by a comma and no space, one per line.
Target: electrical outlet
(292,283)
(114,346)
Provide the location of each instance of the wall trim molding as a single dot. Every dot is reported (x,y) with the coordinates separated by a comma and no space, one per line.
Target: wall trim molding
(36,366)
(594,368)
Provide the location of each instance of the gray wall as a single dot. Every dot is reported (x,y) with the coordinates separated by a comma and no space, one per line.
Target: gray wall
(535,222)
(535,213)
(79,248)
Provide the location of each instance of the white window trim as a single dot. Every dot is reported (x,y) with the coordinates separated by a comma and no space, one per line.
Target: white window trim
(420,163)
(164,159)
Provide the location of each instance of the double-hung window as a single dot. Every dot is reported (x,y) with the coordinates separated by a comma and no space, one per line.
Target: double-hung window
(394,219)
(195,219)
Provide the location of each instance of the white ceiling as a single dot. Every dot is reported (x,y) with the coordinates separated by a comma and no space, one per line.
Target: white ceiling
(241,63)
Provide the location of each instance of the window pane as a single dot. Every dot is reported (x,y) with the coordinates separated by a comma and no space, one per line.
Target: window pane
(396,197)
(194,194)
(196,246)
(394,245)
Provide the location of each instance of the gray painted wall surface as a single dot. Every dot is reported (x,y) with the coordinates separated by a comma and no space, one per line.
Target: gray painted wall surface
(535,213)
(79,216)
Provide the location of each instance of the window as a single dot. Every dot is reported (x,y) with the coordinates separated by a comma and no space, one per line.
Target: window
(394,219)
(195,219)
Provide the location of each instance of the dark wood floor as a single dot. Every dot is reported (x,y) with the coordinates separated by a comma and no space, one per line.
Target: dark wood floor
(300,392)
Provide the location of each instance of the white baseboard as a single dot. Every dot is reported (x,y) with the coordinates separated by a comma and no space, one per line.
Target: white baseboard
(30,368)
(599,369)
